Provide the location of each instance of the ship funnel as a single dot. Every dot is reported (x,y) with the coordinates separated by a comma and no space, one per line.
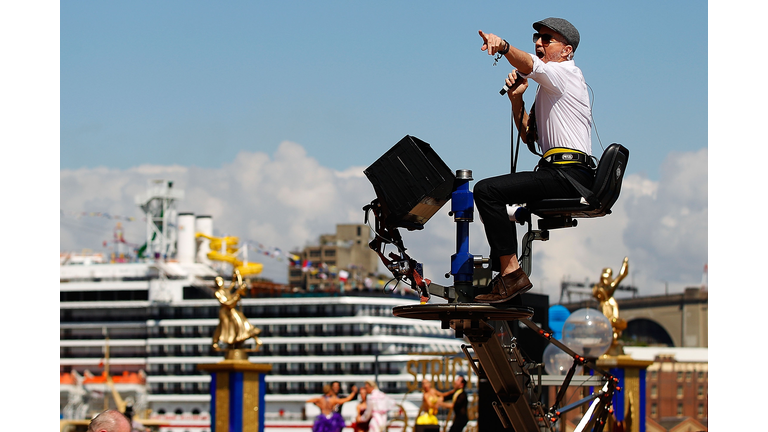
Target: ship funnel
(203,225)
(185,243)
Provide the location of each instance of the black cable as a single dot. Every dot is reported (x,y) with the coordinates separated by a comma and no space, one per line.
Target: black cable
(512,154)
(594,124)
(516,148)
(393,288)
(526,253)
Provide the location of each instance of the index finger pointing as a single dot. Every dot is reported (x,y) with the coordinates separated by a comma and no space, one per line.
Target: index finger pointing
(485,41)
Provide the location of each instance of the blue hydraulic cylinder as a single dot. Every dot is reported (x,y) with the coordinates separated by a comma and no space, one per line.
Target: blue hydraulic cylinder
(462,209)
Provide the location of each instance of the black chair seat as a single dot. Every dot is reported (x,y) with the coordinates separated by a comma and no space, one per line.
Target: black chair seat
(606,189)
(560,206)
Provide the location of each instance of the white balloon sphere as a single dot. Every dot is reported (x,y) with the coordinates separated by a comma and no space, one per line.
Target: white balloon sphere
(557,362)
(590,330)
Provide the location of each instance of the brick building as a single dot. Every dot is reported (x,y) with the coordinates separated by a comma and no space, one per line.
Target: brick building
(676,383)
(337,260)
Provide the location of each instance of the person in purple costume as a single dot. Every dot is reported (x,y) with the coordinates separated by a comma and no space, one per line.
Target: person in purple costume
(329,420)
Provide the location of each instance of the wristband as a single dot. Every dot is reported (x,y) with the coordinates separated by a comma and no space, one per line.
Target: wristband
(506,49)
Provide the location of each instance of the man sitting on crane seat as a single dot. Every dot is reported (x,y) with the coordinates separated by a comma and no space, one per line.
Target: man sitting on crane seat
(560,121)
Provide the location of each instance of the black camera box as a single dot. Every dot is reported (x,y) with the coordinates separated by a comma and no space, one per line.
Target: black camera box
(411,182)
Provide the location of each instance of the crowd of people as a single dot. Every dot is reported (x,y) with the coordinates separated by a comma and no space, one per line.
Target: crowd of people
(373,406)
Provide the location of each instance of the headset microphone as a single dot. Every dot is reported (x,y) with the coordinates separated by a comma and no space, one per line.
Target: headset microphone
(505,89)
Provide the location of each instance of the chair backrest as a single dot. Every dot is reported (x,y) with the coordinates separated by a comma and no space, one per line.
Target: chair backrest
(609,175)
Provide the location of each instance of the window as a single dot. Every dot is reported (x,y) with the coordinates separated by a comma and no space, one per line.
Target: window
(680,409)
(679,391)
(700,410)
(680,376)
(700,391)
(653,410)
(688,375)
(654,391)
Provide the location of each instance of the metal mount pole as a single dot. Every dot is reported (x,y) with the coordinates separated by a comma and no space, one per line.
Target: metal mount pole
(462,262)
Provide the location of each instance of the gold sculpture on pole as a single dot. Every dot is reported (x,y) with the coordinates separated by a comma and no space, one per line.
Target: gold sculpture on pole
(630,398)
(234,328)
(603,292)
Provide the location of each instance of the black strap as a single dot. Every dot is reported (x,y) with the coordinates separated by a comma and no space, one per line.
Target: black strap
(516,148)
(580,188)
(532,133)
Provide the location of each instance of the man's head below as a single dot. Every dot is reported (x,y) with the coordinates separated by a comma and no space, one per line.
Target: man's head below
(109,421)
(556,39)
(459,383)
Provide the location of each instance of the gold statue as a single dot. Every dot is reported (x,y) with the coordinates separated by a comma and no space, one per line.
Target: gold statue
(603,292)
(233,329)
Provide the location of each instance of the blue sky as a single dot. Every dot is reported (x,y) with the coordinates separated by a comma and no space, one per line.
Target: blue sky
(194,83)
(267,114)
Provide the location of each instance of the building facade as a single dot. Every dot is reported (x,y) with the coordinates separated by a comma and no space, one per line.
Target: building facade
(677,389)
(338,261)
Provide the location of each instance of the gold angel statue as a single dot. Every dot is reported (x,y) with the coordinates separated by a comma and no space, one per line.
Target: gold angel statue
(233,329)
(603,292)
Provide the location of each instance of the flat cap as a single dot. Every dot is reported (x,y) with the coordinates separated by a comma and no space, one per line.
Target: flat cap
(561,26)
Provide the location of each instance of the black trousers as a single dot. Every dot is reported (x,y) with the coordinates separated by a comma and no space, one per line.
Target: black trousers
(493,194)
(458,423)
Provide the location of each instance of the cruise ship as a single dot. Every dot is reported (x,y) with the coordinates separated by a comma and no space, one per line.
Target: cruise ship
(133,334)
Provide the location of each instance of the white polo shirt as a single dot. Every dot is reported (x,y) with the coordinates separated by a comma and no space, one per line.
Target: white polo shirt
(563,116)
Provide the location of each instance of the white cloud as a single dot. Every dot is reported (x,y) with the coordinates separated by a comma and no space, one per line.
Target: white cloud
(289,199)
(661,226)
(284,201)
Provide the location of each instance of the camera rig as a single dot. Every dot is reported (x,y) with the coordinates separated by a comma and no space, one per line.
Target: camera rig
(406,269)
(401,265)
(412,183)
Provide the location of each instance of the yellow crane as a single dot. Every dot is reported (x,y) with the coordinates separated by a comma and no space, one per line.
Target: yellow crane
(225,249)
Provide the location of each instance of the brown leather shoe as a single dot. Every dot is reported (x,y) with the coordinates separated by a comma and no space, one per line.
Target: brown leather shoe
(504,288)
